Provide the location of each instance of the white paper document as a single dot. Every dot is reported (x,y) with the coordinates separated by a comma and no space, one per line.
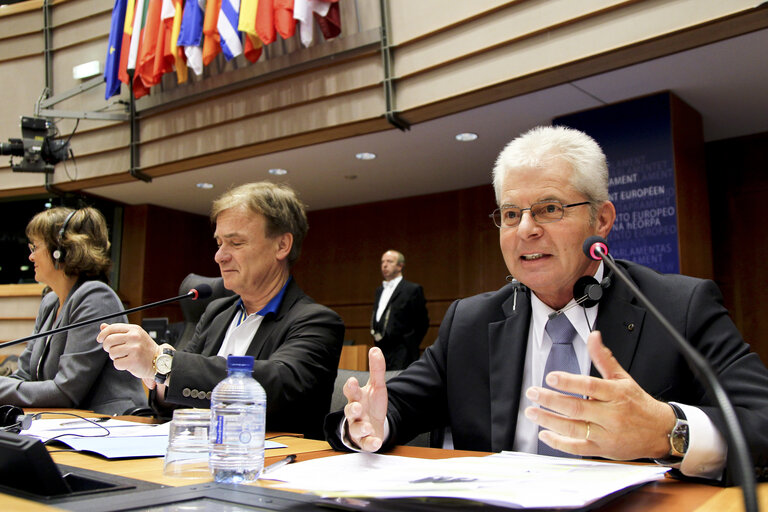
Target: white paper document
(510,479)
(112,439)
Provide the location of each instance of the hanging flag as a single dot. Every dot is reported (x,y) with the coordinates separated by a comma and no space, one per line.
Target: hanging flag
(247,25)
(191,34)
(247,22)
(139,89)
(265,21)
(211,46)
(112,62)
(252,48)
(330,24)
(284,22)
(180,61)
(150,29)
(126,43)
(163,61)
(302,12)
(229,16)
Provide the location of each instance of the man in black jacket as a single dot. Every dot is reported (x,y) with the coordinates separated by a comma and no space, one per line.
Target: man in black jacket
(295,341)
(400,319)
(630,394)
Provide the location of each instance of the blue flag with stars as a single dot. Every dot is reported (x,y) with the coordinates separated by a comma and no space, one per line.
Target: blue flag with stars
(112,63)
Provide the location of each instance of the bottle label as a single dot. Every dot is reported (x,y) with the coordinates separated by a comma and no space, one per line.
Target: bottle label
(219,429)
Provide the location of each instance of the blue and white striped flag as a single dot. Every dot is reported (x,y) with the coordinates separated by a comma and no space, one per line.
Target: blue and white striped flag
(231,45)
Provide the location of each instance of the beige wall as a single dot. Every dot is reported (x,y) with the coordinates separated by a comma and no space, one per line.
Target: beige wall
(448,56)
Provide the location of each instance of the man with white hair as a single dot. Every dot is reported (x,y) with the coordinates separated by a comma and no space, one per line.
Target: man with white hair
(524,368)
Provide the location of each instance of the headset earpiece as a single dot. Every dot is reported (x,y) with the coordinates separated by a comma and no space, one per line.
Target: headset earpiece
(58,253)
(9,418)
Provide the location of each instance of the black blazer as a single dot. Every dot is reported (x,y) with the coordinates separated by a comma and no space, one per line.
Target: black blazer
(470,378)
(402,325)
(297,354)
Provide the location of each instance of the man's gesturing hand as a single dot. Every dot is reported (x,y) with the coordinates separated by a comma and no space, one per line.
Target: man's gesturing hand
(366,410)
(619,420)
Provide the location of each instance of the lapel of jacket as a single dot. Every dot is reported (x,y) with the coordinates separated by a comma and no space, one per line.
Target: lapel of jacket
(261,340)
(507,342)
(219,326)
(620,321)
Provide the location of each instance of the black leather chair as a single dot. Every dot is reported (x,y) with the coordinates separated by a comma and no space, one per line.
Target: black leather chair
(193,309)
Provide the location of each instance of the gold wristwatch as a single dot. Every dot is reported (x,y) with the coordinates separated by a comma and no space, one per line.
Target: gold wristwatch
(162,363)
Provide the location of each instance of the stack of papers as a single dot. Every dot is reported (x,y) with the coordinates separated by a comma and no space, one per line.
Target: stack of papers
(507,479)
(111,439)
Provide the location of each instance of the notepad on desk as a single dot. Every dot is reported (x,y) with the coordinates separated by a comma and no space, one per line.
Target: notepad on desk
(112,439)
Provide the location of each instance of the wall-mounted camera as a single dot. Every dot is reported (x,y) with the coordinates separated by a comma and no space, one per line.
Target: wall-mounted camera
(38,149)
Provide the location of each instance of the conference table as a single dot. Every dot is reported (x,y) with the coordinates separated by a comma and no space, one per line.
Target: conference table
(663,495)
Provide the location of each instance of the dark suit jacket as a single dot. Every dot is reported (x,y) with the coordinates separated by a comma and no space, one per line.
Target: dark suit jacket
(297,354)
(470,378)
(403,324)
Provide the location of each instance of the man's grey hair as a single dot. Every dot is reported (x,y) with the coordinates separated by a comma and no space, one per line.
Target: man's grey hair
(543,144)
(279,205)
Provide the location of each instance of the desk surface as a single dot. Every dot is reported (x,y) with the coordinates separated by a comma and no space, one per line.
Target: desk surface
(668,494)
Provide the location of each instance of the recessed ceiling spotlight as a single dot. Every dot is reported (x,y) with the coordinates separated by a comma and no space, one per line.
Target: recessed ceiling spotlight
(466,137)
(365,156)
(204,185)
(278,172)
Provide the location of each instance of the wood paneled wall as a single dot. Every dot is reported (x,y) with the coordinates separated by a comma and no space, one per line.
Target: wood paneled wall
(737,172)
(160,247)
(451,248)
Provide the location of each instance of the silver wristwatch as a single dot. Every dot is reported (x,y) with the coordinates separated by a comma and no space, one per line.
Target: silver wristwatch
(678,439)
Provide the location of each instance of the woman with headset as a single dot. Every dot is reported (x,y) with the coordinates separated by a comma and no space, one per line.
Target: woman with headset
(70,251)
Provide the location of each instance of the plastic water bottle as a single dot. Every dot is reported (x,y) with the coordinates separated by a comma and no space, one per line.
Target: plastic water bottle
(238,421)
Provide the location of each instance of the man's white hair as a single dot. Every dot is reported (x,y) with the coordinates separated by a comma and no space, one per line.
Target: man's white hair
(543,144)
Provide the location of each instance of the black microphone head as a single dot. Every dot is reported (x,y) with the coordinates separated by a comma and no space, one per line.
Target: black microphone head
(202,291)
(588,291)
(589,247)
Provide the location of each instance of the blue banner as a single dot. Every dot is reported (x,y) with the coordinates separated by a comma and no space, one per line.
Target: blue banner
(636,137)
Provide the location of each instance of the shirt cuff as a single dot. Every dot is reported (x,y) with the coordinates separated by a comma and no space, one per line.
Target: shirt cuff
(346,441)
(707,449)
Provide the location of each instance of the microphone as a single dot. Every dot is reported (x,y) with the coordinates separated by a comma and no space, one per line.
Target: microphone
(203,291)
(596,248)
(518,286)
(589,292)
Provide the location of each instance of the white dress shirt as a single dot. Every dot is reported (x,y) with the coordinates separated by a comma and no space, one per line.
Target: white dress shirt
(386,294)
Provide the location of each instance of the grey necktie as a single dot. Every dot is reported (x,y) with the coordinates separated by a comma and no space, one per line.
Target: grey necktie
(561,357)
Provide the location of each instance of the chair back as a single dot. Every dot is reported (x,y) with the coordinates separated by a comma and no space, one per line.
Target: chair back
(193,309)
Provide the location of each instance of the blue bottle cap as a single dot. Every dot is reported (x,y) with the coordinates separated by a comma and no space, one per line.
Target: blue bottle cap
(240,363)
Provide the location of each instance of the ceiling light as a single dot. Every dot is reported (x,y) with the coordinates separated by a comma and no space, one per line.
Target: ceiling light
(466,137)
(204,186)
(365,156)
(278,172)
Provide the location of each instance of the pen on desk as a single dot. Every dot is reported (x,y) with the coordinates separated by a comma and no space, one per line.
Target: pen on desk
(89,420)
(280,463)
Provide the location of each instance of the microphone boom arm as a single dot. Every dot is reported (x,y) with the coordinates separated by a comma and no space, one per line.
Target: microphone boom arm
(704,371)
(194,294)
